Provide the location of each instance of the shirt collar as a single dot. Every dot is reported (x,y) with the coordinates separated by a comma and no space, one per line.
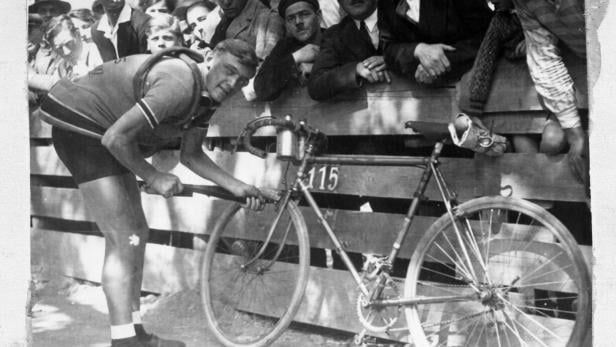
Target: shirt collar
(124,17)
(370,21)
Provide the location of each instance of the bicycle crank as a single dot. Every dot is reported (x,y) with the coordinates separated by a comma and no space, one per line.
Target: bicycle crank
(379,319)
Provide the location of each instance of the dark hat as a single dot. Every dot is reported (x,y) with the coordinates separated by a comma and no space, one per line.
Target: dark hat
(62,5)
(284,4)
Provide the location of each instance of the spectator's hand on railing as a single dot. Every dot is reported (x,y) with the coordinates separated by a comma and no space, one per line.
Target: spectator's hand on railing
(432,57)
(422,76)
(306,54)
(373,69)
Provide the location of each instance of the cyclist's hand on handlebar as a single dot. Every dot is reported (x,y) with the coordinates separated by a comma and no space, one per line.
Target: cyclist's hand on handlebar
(255,198)
(165,184)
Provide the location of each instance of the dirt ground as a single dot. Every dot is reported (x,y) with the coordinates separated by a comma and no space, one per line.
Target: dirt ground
(68,313)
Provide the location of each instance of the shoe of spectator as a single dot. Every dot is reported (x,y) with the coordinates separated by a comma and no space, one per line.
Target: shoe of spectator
(151,340)
(470,133)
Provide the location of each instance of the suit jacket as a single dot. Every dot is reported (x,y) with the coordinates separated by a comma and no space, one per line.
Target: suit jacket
(278,70)
(132,37)
(458,23)
(258,25)
(334,69)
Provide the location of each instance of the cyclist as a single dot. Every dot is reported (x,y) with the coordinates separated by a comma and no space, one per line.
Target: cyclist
(103,127)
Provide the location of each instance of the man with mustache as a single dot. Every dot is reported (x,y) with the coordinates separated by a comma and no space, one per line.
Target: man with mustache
(292,58)
(121,31)
(351,53)
(106,123)
(251,21)
(433,41)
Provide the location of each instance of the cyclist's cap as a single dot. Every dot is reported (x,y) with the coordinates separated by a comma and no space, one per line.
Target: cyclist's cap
(284,4)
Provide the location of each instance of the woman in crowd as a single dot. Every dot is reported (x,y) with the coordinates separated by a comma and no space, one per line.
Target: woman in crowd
(90,56)
(163,32)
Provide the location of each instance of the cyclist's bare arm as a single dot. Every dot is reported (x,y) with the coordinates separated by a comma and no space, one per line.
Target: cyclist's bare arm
(121,140)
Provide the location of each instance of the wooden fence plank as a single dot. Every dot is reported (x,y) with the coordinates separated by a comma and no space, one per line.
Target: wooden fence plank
(531,176)
(359,231)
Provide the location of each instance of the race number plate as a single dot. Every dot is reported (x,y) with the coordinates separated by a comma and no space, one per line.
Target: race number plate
(323,177)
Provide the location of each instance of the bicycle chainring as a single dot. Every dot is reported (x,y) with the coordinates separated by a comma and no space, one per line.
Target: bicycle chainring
(379,319)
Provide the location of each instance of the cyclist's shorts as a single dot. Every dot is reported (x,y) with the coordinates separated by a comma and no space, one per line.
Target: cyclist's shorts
(85,157)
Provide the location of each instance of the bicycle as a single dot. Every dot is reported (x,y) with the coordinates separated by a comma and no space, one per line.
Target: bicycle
(476,277)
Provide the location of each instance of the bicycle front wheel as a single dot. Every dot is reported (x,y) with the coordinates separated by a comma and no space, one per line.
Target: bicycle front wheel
(523,275)
(250,299)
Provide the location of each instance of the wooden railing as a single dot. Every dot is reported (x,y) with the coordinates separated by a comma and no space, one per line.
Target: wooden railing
(66,240)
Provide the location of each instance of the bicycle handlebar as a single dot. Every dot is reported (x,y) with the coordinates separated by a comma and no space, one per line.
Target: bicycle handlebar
(254,125)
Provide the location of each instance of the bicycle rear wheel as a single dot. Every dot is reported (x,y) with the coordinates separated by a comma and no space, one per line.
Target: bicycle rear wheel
(531,282)
(251,304)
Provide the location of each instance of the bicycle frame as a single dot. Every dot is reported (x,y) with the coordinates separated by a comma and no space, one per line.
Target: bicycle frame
(431,169)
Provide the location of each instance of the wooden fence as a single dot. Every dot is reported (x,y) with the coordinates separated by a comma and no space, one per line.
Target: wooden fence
(65,239)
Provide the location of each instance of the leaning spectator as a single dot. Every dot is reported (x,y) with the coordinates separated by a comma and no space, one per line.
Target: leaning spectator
(61,38)
(83,20)
(435,41)
(202,17)
(48,9)
(549,29)
(163,32)
(351,53)
(250,21)
(293,56)
(121,30)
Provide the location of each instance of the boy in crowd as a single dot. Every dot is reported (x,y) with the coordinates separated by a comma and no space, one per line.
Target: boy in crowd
(293,56)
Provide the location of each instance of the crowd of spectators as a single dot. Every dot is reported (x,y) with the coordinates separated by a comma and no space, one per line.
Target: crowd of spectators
(331,46)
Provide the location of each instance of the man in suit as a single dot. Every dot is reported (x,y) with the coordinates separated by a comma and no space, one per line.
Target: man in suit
(250,21)
(351,53)
(121,31)
(293,57)
(433,41)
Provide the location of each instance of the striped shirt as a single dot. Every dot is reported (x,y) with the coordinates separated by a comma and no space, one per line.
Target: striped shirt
(547,23)
(100,98)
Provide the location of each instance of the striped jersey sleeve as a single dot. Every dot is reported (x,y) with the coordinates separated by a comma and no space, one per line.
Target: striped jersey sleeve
(168,93)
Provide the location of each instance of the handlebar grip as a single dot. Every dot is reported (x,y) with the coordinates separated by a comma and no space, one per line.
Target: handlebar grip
(252,126)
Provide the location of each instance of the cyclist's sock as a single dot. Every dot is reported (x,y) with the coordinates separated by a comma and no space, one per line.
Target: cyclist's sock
(123,331)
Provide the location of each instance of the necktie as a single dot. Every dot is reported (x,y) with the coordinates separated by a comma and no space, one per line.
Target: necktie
(363,29)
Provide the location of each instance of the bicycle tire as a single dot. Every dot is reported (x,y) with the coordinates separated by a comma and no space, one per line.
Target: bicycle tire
(513,254)
(256,317)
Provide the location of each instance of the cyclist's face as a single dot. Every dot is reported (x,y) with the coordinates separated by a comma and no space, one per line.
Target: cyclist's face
(161,39)
(226,75)
(301,21)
